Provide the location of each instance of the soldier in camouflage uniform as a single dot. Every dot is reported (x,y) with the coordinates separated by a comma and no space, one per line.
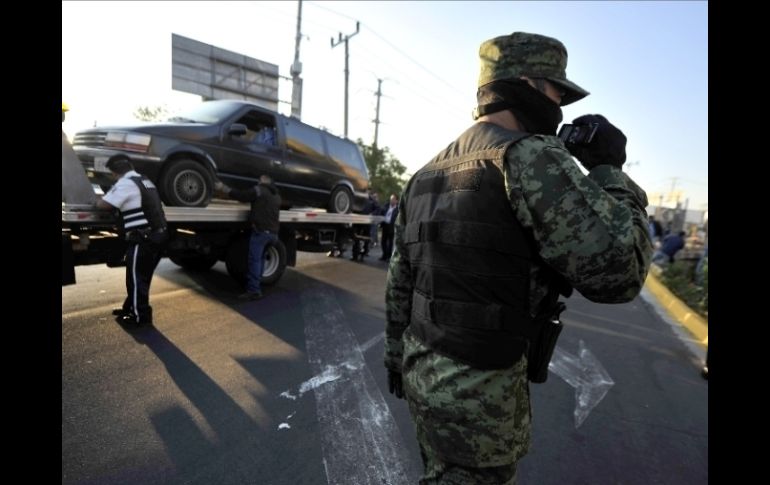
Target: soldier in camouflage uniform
(488,234)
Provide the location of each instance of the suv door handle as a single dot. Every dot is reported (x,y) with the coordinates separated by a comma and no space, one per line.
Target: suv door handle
(276,162)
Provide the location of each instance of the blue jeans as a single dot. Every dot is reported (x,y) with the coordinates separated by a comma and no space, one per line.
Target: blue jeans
(257,244)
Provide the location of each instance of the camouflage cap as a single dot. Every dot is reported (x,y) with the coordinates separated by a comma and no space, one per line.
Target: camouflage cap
(531,55)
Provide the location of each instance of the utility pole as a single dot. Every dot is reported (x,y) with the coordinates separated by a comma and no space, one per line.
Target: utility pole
(347,71)
(377,115)
(673,185)
(296,70)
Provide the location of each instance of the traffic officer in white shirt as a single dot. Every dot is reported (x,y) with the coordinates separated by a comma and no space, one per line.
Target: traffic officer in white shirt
(146,233)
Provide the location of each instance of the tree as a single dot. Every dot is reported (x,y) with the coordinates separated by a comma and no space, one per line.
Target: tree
(386,172)
(151,113)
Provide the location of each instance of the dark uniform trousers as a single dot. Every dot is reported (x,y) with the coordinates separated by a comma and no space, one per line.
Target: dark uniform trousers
(141,260)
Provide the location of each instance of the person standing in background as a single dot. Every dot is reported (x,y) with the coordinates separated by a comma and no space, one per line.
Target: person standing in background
(387,228)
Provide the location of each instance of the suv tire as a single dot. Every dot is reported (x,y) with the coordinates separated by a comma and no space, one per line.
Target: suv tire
(186,183)
(341,201)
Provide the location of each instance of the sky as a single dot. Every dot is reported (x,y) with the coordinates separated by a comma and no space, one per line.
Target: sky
(645,64)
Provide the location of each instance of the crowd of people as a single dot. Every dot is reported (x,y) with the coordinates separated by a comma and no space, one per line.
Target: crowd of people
(363,242)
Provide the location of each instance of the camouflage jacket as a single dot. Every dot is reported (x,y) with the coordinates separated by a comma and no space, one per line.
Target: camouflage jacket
(592,229)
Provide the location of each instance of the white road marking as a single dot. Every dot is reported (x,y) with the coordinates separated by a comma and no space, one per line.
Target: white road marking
(331,373)
(360,441)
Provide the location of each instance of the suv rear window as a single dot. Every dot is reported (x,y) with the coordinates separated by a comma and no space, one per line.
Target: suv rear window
(305,140)
(345,152)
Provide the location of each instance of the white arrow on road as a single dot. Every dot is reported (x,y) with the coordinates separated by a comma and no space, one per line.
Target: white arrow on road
(583,372)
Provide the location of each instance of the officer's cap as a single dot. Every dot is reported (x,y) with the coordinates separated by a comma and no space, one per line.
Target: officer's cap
(119,164)
(531,55)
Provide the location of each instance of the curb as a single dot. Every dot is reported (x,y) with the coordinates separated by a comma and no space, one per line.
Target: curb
(690,320)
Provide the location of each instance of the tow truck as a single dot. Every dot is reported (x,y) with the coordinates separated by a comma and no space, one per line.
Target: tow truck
(199,236)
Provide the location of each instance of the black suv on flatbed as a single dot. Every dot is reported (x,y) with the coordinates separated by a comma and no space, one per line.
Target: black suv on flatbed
(236,141)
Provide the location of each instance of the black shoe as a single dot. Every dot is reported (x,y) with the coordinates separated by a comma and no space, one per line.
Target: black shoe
(121,312)
(250,296)
(132,320)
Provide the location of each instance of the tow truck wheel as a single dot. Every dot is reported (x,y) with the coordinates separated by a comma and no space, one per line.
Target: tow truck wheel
(272,269)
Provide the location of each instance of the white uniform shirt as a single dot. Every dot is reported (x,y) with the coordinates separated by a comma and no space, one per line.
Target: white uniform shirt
(124,195)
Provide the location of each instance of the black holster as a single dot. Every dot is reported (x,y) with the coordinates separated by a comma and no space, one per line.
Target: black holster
(542,344)
(138,235)
(158,236)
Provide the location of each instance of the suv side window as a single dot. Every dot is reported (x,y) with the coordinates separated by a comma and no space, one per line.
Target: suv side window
(304,140)
(345,153)
(260,128)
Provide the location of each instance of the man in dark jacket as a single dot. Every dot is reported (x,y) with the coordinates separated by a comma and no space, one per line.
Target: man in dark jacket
(264,221)
(671,245)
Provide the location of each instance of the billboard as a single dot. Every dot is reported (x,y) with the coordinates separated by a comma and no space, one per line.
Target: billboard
(215,73)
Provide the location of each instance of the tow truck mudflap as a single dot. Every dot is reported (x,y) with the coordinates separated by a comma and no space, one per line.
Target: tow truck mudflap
(67,261)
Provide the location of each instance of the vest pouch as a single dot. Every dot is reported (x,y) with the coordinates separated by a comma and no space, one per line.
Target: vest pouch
(482,336)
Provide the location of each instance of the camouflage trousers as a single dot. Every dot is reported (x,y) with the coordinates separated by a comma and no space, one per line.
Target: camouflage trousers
(472,425)
(439,472)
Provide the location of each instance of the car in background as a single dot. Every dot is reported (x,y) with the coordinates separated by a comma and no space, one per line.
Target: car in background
(235,141)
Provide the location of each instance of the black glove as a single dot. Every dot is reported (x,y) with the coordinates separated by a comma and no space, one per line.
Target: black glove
(607,148)
(394,384)
(221,188)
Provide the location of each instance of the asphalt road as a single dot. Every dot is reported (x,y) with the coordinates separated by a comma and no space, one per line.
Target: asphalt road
(291,389)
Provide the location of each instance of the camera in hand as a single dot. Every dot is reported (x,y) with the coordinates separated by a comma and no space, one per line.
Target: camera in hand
(577,134)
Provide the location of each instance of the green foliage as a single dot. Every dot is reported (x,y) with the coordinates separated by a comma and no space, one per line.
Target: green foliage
(705,285)
(386,172)
(151,113)
(679,278)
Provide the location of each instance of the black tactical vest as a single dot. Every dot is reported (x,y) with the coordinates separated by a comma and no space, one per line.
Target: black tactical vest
(266,209)
(470,257)
(150,214)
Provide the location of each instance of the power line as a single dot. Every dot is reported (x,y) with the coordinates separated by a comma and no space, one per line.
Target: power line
(394,48)
(447,106)
(694,181)
(292,17)
(330,10)
(370,55)
(415,62)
